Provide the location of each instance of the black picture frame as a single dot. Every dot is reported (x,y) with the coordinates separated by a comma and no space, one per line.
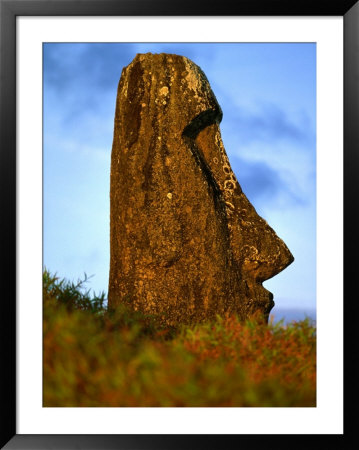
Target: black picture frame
(9,10)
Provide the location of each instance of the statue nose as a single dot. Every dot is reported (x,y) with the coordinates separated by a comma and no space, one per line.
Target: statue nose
(264,253)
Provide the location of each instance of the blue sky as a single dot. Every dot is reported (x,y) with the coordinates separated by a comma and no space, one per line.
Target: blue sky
(268,96)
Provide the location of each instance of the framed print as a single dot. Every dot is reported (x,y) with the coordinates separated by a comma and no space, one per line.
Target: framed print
(61,62)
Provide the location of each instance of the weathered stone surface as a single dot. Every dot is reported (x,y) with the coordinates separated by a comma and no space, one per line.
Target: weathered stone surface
(186,244)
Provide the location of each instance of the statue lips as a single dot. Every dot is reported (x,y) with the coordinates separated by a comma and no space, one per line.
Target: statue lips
(186,243)
(268,305)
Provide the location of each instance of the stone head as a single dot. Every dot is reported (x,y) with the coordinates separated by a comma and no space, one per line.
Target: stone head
(186,243)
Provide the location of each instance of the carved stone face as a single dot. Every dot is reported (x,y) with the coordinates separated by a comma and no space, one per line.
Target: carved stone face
(186,244)
(257,251)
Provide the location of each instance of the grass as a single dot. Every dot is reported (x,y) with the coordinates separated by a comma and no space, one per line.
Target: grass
(97,357)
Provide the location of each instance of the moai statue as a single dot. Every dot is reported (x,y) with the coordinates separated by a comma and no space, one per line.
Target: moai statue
(186,244)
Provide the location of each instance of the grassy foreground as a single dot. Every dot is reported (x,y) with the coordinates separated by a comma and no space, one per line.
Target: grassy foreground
(96,357)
